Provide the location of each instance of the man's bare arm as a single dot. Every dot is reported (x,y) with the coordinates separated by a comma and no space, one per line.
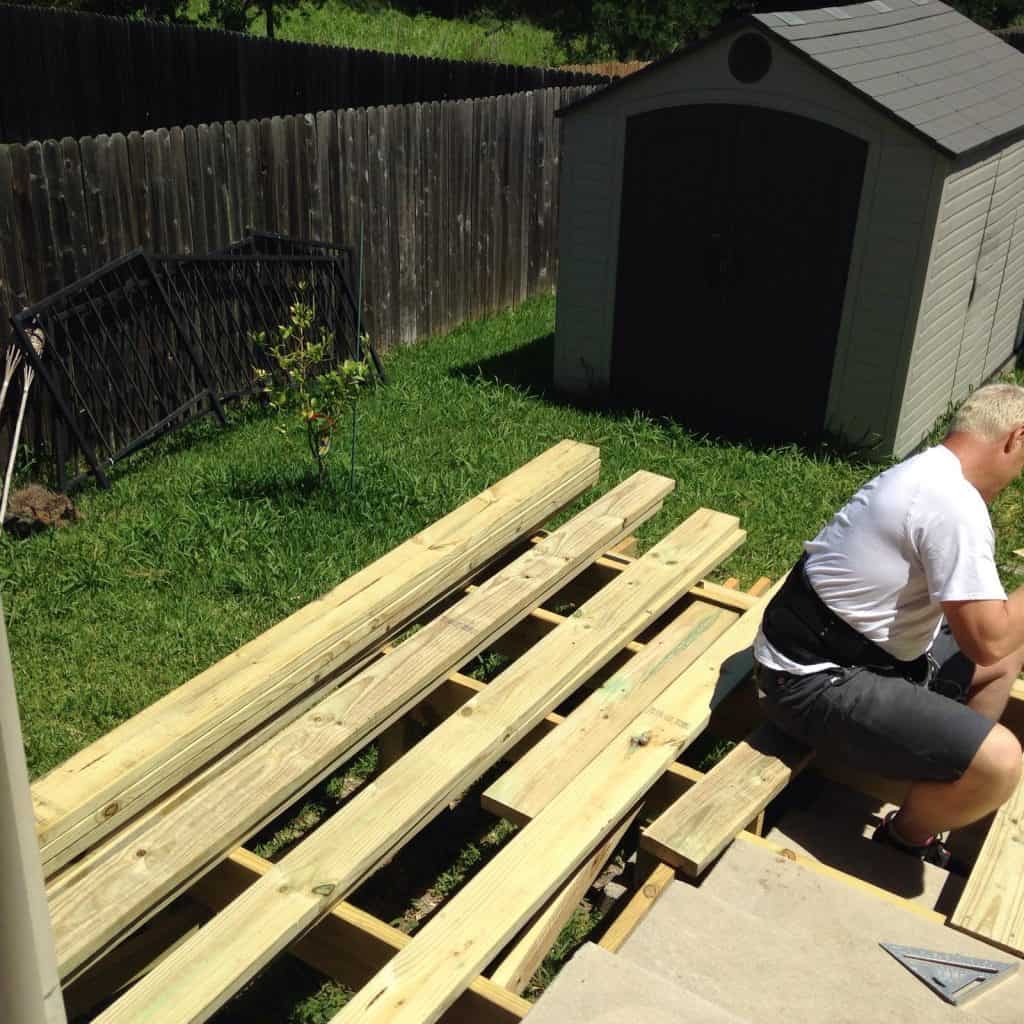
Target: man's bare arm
(987,631)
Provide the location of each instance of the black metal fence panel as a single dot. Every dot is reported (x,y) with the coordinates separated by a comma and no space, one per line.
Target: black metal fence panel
(144,345)
(70,73)
(117,365)
(228,300)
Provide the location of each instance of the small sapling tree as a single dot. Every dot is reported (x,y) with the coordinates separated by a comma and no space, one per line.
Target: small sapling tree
(303,382)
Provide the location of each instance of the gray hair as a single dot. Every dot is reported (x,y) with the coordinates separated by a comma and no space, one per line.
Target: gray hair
(990,412)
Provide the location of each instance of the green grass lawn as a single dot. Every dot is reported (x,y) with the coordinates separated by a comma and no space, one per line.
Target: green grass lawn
(214,535)
(377,26)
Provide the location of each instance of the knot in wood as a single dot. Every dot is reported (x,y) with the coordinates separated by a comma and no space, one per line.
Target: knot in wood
(111,809)
(323,890)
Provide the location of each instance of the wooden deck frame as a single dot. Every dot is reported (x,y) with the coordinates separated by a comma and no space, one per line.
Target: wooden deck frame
(368,942)
(303,887)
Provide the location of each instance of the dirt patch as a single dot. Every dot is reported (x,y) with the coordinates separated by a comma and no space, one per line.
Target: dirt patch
(35,508)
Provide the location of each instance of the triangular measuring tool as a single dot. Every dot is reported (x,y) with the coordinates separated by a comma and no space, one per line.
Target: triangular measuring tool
(954,977)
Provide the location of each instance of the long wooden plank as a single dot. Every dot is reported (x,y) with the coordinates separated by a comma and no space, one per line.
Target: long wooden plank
(556,760)
(306,883)
(520,963)
(609,565)
(351,945)
(702,823)
(428,975)
(459,688)
(126,770)
(126,879)
(992,903)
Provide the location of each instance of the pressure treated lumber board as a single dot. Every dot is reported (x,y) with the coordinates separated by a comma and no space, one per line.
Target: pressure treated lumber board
(301,888)
(520,963)
(695,829)
(428,975)
(457,689)
(611,564)
(992,903)
(350,945)
(556,760)
(535,778)
(118,884)
(714,673)
(126,770)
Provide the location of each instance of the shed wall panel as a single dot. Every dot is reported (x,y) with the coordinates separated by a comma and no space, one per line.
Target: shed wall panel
(973,294)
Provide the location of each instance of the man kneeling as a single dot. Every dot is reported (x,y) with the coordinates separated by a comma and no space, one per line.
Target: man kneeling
(893,643)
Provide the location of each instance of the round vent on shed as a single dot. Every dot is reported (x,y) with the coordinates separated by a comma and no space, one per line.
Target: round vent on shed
(750,57)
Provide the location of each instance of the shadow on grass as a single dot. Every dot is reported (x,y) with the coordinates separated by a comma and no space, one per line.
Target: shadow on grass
(527,367)
(530,368)
(287,489)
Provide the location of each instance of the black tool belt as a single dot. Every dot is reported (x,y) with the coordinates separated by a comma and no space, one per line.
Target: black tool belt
(798,624)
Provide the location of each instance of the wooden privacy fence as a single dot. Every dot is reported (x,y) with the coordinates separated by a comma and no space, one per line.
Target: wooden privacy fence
(456,203)
(67,73)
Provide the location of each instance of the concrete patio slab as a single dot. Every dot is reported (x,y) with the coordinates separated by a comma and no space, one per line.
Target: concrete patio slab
(598,987)
(768,939)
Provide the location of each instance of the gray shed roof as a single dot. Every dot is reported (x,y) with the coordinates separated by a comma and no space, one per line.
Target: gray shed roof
(930,67)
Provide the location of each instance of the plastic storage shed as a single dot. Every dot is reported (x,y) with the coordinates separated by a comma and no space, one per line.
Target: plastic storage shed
(805,226)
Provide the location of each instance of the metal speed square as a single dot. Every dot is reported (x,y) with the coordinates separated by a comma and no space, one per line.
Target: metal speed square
(953,977)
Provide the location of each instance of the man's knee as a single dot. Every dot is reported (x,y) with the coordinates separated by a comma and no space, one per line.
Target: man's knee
(997,764)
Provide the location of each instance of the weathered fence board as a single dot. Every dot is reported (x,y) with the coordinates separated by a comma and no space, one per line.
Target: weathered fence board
(71,73)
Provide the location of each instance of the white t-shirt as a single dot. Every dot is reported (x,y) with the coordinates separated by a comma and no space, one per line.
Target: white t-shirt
(914,536)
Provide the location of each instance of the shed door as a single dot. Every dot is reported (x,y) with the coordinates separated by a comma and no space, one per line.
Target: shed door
(737,228)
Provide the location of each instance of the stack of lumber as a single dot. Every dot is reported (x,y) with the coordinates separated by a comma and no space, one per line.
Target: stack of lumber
(240,700)
(148,862)
(322,870)
(113,798)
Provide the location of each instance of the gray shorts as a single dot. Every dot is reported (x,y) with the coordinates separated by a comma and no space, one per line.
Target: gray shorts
(883,722)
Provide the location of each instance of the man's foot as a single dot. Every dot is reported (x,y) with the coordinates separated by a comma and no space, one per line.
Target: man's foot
(933,852)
